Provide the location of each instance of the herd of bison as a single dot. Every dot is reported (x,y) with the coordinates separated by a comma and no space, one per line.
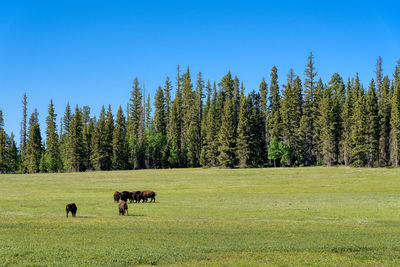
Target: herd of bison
(124,196)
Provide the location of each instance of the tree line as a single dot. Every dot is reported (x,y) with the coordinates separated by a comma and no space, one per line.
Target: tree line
(217,124)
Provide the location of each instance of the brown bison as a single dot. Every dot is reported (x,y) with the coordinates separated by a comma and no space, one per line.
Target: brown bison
(71,208)
(144,195)
(117,196)
(135,196)
(123,206)
(125,196)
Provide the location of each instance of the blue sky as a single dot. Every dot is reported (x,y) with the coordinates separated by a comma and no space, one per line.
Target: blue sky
(88,52)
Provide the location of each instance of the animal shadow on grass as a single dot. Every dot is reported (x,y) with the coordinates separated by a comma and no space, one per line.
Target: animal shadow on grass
(136,215)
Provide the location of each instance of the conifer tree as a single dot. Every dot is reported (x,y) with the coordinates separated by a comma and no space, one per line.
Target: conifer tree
(160,112)
(34,144)
(167,95)
(148,112)
(226,136)
(243,132)
(372,125)
(23,132)
(3,146)
(211,132)
(359,149)
(120,146)
(347,124)
(52,159)
(395,120)
(384,116)
(274,117)
(291,112)
(11,154)
(88,134)
(99,155)
(109,132)
(204,146)
(309,118)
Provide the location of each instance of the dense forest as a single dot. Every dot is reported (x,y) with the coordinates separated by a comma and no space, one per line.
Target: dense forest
(217,124)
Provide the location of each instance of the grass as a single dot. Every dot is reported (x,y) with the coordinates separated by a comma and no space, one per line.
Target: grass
(284,217)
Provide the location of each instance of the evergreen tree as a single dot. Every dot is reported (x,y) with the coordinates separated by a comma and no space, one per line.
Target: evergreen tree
(372,125)
(88,134)
(99,146)
(308,120)
(108,142)
(274,116)
(67,119)
(203,133)
(23,132)
(3,147)
(211,132)
(34,144)
(11,154)
(347,124)
(291,112)
(160,112)
(359,149)
(226,136)
(244,132)
(384,116)
(167,95)
(395,120)
(148,112)
(52,159)
(75,149)
(120,146)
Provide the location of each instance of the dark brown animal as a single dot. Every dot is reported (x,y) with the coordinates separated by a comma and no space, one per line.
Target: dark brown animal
(117,196)
(71,208)
(125,195)
(122,207)
(135,196)
(144,195)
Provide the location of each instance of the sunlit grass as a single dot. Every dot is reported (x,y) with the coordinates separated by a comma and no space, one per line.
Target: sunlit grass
(297,216)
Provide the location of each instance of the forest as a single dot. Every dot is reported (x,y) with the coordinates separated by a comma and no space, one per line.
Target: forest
(209,124)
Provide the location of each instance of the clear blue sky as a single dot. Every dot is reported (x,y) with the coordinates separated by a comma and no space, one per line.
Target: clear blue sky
(88,52)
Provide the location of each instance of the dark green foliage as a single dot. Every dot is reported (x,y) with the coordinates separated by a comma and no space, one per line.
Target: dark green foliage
(274,120)
(159,122)
(33,150)
(291,113)
(372,125)
(52,158)
(226,136)
(120,156)
(75,148)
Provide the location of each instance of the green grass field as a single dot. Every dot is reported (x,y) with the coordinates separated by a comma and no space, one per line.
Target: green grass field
(284,217)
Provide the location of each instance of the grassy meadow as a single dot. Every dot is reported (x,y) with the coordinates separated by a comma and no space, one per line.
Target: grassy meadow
(283,216)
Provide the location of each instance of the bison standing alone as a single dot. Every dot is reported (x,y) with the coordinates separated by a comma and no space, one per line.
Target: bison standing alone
(71,208)
(123,206)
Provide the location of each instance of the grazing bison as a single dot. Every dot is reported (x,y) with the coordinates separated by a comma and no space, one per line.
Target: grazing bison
(71,208)
(123,206)
(144,195)
(117,196)
(135,196)
(125,195)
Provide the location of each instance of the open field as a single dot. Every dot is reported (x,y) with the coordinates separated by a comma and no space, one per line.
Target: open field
(297,216)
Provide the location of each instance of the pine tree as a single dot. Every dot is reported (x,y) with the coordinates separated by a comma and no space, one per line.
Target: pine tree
(52,159)
(11,154)
(167,95)
(204,126)
(211,132)
(148,113)
(347,124)
(135,109)
(120,146)
(308,120)
(384,116)
(243,139)
(108,139)
(34,144)
(67,119)
(99,155)
(160,112)
(226,136)
(372,125)
(88,134)
(395,120)
(359,149)
(274,117)
(23,132)
(3,146)
(291,112)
